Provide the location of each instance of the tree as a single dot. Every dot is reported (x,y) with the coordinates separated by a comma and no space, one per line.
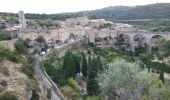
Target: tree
(5,36)
(21,46)
(123,78)
(68,65)
(40,39)
(99,64)
(77,63)
(92,84)
(161,76)
(163,50)
(84,65)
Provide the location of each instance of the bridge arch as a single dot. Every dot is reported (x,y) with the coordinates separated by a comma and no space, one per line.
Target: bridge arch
(139,39)
(125,38)
(155,40)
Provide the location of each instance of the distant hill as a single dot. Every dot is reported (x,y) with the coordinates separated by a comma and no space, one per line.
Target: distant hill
(152,11)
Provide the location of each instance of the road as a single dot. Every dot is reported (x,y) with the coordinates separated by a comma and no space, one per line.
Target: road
(47,83)
(40,74)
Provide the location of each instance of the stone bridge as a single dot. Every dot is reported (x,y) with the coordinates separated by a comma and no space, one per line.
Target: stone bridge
(148,36)
(64,48)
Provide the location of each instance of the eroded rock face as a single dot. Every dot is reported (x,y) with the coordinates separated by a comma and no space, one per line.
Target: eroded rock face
(15,80)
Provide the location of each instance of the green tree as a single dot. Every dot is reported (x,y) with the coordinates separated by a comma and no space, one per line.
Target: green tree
(40,39)
(99,64)
(21,46)
(122,77)
(68,65)
(161,76)
(84,65)
(163,49)
(5,36)
(77,63)
(92,84)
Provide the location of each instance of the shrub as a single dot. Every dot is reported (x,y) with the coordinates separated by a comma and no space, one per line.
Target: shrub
(6,53)
(4,70)
(8,96)
(49,94)
(27,69)
(35,95)
(21,45)
(5,36)
(93,98)
(40,39)
(3,83)
(72,83)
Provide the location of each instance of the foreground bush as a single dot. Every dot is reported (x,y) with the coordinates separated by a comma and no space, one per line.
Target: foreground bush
(8,96)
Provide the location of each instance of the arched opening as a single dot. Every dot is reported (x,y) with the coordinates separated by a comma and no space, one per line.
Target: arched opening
(123,41)
(156,40)
(139,41)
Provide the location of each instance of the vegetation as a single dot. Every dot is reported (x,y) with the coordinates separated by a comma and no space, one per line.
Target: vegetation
(8,96)
(49,94)
(40,39)
(27,67)
(77,61)
(128,78)
(84,65)
(4,71)
(21,46)
(69,66)
(3,83)
(5,36)
(152,11)
(12,56)
(92,84)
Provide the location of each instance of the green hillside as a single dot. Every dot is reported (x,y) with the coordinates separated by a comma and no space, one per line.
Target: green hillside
(153,11)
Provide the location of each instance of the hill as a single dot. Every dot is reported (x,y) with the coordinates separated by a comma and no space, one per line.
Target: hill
(152,11)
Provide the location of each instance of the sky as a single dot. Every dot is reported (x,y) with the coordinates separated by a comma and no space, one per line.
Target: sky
(60,6)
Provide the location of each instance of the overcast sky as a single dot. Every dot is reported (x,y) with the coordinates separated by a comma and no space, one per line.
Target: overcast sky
(58,6)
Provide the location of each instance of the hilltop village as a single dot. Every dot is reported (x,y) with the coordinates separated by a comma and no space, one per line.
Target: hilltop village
(92,29)
(80,58)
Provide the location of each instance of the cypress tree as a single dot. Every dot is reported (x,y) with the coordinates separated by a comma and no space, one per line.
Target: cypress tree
(77,63)
(92,84)
(99,64)
(68,65)
(84,65)
(161,77)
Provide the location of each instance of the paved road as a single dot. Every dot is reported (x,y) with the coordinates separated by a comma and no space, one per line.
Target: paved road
(47,83)
(41,75)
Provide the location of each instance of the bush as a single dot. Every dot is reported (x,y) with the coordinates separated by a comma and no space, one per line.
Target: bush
(40,39)
(27,69)
(4,70)
(72,83)
(3,83)
(8,96)
(12,56)
(93,98)
(21,45)
(56,74)
(5,36)
(49,94)
(35,95)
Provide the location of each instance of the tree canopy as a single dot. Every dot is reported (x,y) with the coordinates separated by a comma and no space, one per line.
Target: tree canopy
(124,78)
